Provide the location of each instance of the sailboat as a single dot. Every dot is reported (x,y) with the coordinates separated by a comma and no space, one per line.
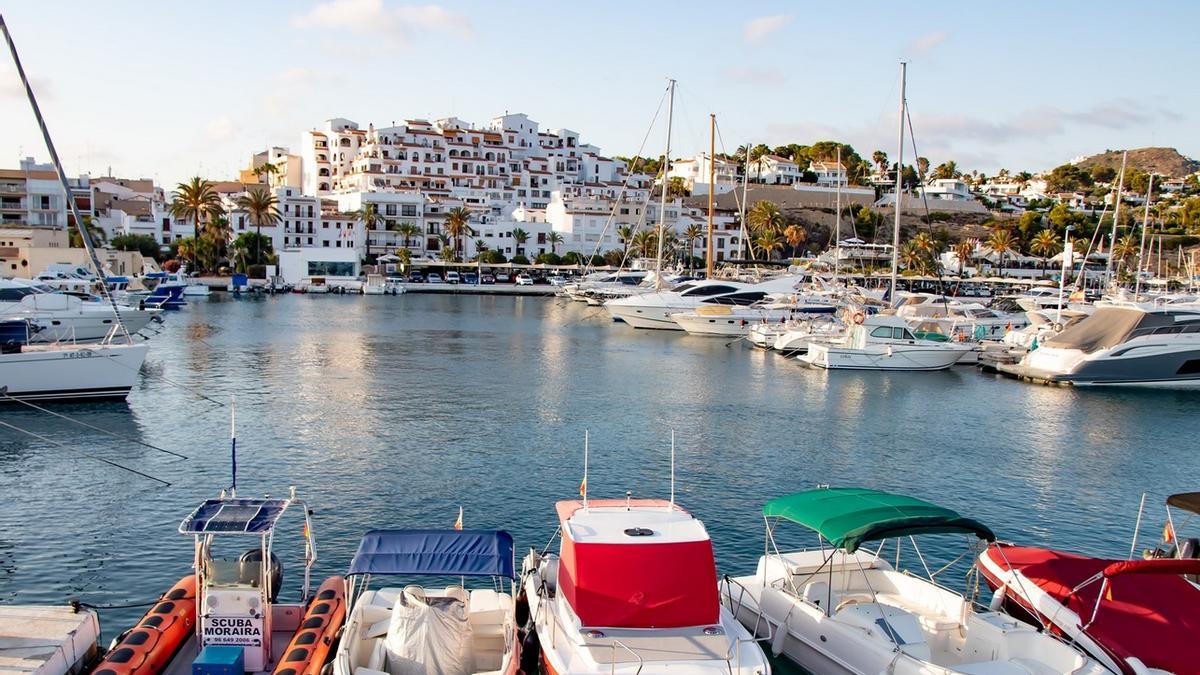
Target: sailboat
(63,371)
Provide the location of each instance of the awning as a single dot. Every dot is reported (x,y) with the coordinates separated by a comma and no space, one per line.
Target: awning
(847,517)
(234,516)
(1188,501)
(435,552)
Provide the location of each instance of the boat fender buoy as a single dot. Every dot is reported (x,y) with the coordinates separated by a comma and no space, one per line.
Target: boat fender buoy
(858,318)
(998,599)
(777,641)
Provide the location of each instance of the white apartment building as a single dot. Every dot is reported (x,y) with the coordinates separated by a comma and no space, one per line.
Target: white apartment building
(829,174)
(695,173)
(130,206)
(32,196)
(949,189)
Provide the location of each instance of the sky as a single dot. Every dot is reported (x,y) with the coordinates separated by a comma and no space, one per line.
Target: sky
(167,90)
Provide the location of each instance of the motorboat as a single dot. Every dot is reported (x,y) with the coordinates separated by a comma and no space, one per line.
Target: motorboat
(633,589)
(64,317)
(1134,616)
(375,285)
(653,310)
(842,608)
(719,320)
(190,287)
(416,630)
(882,342)
(964,321)
(226,616)
(238,283)
(799,334)
(1120,345)
(316,285)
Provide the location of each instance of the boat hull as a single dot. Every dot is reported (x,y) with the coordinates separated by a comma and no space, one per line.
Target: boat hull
(71,374)
(647,317)
(881,358)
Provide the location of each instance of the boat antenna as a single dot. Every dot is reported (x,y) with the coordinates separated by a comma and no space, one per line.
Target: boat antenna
(672,470)
(62,178)
(583,487)
(899,180)
(233,442)
(666,167)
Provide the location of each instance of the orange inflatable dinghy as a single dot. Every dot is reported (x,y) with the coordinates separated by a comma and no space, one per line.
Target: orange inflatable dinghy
(148,647)
(313,642)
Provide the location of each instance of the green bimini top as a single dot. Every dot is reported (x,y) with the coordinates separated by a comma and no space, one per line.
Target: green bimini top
(847,517)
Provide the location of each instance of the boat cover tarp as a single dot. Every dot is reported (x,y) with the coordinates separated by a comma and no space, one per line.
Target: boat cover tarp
(1153,566)
(1107,327)
(429,638)
(1153,617)
(847,517)
(1188,501)
(640,585)
(435,552)
(238,516)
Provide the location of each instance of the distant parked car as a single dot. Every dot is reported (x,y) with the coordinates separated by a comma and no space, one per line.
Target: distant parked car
(435,278)
(503,277)
(524,280)
(453,277)
(556,280)
(487,279)
(470,278)
(416,277)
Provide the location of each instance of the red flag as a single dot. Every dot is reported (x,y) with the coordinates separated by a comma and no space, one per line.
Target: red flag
(458,523)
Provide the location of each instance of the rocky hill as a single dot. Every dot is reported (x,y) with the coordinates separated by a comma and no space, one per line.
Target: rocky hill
(1163,161)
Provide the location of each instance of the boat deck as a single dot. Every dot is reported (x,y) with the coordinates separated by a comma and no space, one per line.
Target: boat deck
(44,639)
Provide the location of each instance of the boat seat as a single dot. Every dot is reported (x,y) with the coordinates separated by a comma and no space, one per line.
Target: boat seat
(930,619)
(415,591)
(817,593)
(378,657)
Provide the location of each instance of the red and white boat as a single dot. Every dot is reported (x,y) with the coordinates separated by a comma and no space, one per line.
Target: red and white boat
(634,590)
(1133,616)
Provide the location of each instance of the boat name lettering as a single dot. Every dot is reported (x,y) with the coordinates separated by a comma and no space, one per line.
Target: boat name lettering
(81,354)
(233,630)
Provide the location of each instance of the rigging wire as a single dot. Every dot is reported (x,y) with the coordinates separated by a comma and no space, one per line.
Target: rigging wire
(5,394)
(937,267)
(98,458)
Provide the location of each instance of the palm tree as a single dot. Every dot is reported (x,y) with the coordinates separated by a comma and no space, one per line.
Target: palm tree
(690,234)
(880,159)
(913,258)
(554,238)
(963,250)
(768,242)
(408,231)
(481,249)
(625,233)
(195,200)
(266,169)
(95,233)
(1045,244)
(1125,247)
(946,170)
(795,235)
(1001,243)
(520,237)
(763,217)
(262,208)
(458,221)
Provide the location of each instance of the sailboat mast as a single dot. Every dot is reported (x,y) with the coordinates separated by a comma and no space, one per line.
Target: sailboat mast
(899,178)
(837,247)
(1108,264)
(1137,285)
(712,188)
(662,209)
(742,215)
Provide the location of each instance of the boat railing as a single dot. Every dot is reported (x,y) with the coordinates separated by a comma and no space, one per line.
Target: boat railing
(736,607)
(613,658)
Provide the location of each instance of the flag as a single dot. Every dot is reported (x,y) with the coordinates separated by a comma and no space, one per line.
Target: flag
(583,488)
(1168,533)
(458,523)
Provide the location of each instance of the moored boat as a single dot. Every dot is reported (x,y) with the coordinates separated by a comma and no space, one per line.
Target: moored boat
(883,342)
(414,630)
(840,608)
(65,372)
(633,589)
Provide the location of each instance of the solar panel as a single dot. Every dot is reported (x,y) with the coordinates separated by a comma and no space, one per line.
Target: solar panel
(248,516)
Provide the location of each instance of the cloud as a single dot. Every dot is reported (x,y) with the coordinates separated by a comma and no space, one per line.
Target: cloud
(11,87)
(398,26)
(757,30)
(220,129)
(754,75)
(927,42)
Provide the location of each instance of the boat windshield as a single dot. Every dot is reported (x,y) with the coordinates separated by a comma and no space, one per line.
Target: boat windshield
(683,287)
(14,294)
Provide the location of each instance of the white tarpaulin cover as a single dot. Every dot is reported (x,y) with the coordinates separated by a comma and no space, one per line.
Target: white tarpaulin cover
(428,637)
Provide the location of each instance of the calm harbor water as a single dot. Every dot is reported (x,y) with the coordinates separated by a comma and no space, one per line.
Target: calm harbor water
(394,411)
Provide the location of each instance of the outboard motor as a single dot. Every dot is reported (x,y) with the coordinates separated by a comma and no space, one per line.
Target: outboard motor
(254,555)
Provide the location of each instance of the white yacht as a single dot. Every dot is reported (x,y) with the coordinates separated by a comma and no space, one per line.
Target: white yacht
(883,342)
(1120,345)
(66,372)
(654,309)
(798,335)
(736,320)
(841,608)
(63,317)
(634,591)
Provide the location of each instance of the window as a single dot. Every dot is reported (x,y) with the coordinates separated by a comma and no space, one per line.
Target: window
(884,332)
(706,291)
(409,210)
(325,244)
